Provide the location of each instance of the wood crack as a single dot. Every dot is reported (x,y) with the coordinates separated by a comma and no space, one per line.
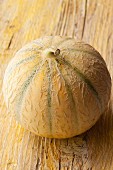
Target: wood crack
(9,44)
(37,164)
(73,161)
(59,163)
(84,22)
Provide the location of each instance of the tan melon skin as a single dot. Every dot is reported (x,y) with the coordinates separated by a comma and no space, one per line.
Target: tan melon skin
(55,101)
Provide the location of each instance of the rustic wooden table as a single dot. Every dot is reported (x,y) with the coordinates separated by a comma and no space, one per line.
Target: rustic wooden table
(24,20)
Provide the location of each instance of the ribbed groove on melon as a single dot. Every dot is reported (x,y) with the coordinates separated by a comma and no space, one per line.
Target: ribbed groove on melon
(31,49)
(25,87)
(96,54)
(84,78)
(49,96)
(26,60)
(70,94)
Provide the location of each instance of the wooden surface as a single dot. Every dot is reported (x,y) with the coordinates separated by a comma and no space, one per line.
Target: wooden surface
(24,20)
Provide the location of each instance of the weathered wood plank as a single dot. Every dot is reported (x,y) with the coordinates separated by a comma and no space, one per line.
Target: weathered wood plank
(22,21)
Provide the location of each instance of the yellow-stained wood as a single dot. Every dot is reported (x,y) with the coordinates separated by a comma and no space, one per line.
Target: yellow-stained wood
(22,21)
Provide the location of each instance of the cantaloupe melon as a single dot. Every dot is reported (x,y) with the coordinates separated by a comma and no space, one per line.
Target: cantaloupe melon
(57,87)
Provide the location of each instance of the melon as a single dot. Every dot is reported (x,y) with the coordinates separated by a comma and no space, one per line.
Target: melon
(56,87)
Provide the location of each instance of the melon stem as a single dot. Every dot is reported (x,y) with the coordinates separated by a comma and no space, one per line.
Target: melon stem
(48,53)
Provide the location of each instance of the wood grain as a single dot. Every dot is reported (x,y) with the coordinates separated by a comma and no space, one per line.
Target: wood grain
(22,21)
